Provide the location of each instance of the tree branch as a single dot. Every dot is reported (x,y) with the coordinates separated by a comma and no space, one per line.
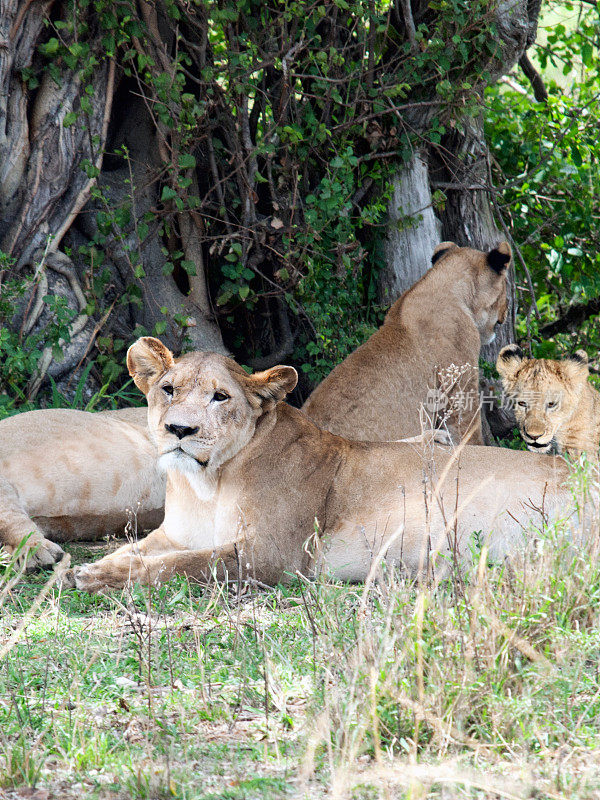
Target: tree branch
(535,79)
(409,23)
(576,315)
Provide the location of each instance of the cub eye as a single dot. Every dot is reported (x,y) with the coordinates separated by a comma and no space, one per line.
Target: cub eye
(168,389)
(220,396)
(551,404)
(522,403)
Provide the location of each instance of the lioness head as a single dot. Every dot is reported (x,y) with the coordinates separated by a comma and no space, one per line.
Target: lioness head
(546,393)
(480,282)
(202,407)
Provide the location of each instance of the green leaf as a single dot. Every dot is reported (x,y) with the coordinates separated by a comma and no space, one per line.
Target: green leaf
(189,267)
(244,291)
(587,54)
(50,48)
(69,119)
(186,161)
(168,193)
(223,298)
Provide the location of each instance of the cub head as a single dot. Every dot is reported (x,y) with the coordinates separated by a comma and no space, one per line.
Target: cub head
(202,407)
(546,394)
(479,281)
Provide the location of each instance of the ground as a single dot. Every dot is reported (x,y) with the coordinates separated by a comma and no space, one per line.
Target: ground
(485,686)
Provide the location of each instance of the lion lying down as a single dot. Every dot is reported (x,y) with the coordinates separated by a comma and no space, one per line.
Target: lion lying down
(248,475)
(67,475)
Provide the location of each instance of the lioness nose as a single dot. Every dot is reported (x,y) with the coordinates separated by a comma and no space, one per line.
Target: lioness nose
(181,431)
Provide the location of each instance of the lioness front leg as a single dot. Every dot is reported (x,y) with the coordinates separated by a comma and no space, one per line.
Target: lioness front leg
(156,542)
(16,527)
(226,564)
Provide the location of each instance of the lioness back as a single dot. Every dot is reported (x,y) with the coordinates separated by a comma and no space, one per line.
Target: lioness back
(555,405)
(430,340)
(75,473)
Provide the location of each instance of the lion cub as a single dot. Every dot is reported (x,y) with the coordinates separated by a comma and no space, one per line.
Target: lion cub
(420,369)
(555,405)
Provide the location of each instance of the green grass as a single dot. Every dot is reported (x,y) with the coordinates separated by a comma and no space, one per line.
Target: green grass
(484,686)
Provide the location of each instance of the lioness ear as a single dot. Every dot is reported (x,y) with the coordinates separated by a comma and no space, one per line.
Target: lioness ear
(500,257)
(578,364)
(147,360)
(509,360)
(273,384)
(441,250)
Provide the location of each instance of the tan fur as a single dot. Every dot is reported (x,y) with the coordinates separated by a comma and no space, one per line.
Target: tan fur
(378,392)
(67,475)
(555,405)
(249,478)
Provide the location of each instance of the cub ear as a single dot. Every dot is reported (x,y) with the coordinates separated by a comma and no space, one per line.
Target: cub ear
(273,384)
(500,257)
(147,360)
(578,364)
(509,360)
(441,250)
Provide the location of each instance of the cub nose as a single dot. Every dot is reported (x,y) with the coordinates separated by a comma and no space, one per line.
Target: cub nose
(533,436)
(181,431)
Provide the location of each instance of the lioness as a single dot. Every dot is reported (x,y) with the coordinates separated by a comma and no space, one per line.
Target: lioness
(555,405)
(247,476)
(105,464)
(67,474)
(430,335)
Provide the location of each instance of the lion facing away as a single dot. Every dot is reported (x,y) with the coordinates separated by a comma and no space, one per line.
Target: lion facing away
(430,340)
(248,476)
(555,405)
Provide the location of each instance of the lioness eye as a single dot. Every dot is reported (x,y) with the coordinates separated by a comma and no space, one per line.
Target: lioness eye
(522,403)
(220,396)
(168,389)
(551,404)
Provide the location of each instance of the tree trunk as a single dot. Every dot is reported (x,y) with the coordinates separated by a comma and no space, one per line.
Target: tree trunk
(413,231)
(146,197)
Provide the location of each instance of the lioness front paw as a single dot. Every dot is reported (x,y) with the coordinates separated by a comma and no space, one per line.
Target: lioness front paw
(437,436)
(39,553)
(107,574)
(46,554)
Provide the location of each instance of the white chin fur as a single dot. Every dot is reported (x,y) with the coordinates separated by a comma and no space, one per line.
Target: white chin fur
(203,480)
(180,462)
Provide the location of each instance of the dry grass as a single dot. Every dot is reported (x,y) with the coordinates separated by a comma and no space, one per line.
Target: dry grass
(484,686)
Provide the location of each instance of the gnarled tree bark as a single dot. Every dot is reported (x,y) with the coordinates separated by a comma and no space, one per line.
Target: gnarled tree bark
(247,191)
